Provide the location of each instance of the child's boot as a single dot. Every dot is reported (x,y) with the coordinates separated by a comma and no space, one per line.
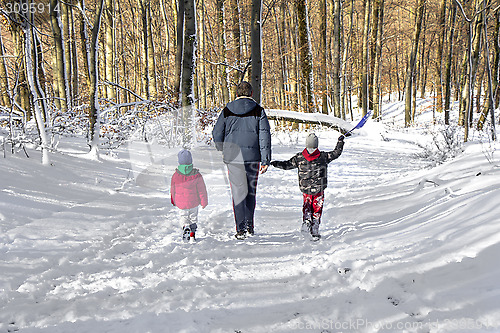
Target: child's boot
(306,227)
(186,233)
(315,230)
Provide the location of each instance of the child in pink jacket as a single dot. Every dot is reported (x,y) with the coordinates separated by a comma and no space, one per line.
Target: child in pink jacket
(188,191)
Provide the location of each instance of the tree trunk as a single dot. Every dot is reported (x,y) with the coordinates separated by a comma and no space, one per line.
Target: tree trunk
(377,110)
(23,98)
(188,69)
(66,33)
(4,77)
(411,62)
(74,54)
(85,41)
(256,44)
(323,48)
(59,61)
(94,124)
(305,54)
(221,27)
(365,59)
(373,51)
(493,78)
(447,74)
(31,77)
(439,52)
(337,66)
(348,45)
(179,46)
(466,95)
(235,54)
(109,49)
(151,61)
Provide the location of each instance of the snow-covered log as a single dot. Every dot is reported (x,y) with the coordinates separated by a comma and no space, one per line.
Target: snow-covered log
(310,118)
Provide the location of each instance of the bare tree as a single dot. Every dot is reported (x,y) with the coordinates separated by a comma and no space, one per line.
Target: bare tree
(109,48)
(4,77)
(337,50)
(221,24)
(94,125)
(256,44)
(364,94)
(305,53)
(179,46)
(412,60)
(448,66)
(59,61)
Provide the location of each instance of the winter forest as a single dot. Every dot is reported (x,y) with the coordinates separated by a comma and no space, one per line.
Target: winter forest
(98,97)
(72,60)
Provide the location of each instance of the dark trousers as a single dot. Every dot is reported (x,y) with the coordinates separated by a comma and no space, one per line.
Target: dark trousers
(243,180)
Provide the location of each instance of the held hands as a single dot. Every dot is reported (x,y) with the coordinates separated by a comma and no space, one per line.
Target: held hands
(341,138)
(263,168)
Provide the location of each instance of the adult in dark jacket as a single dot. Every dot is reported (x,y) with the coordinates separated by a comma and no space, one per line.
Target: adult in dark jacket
(312,165)
(243,135)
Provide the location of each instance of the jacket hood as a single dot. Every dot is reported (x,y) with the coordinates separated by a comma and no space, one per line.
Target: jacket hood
(311,157)
(242,105)
(187,170)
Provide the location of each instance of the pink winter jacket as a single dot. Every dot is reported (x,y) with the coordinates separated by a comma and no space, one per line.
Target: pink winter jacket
(188,191)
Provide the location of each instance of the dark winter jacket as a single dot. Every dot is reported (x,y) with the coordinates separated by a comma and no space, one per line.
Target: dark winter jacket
(242,132)
(188,191)
(312,168)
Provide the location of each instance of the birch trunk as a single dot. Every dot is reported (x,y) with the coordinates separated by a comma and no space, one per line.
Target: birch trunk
(30,75)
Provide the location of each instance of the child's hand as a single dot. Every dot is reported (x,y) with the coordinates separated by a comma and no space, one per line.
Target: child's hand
(203,207)
(274,163)
(341,138)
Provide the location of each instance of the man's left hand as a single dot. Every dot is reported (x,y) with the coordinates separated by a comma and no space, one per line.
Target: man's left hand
(263,168)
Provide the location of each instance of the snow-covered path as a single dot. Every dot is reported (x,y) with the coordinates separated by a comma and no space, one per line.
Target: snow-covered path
(81,251)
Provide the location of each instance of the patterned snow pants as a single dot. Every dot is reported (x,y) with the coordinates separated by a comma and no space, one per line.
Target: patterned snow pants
(312,210)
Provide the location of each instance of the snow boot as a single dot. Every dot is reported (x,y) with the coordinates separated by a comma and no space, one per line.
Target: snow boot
(306,227)
(186,233)
(241,235)
(250,231)
(315,231)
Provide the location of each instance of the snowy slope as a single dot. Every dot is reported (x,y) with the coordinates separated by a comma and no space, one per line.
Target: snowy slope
(94,246)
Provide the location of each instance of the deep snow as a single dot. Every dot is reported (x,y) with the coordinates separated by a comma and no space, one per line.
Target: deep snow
(95,246)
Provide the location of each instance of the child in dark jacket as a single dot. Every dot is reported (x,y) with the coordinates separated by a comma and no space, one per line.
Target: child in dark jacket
(312,167)
(188,191)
